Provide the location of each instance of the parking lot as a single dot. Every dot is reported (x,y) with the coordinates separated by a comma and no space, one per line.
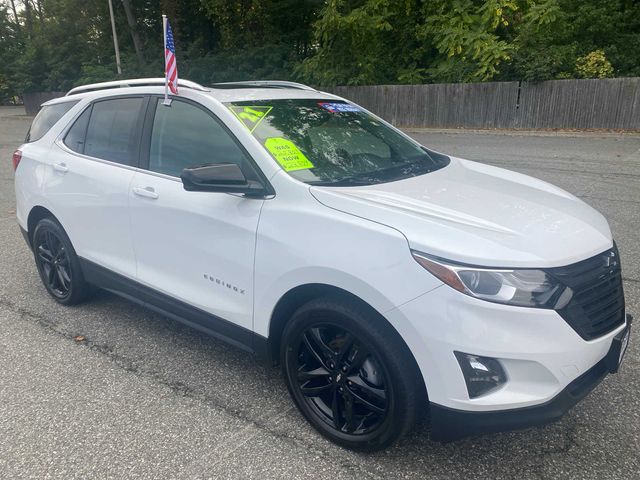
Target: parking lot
(111,390)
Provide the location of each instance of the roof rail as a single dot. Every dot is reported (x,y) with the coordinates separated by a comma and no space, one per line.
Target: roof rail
(136,82)
(263,84)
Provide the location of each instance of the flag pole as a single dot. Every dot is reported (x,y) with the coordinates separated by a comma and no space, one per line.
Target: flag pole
(166,102)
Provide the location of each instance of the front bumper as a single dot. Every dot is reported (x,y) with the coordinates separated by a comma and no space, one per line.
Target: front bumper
(549,367)
(448,424)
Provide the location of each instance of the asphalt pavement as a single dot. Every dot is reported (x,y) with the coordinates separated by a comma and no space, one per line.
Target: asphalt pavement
(111,390)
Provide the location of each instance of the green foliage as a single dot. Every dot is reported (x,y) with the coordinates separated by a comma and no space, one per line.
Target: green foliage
(256,39)
(363,42)
(569,29)
(323,42)
(594,65)
(264,62)
(9,51)
(467,37)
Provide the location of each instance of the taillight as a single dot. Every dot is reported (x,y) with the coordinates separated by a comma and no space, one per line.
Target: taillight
(17,156)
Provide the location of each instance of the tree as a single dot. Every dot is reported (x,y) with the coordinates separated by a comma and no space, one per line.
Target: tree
(133,29)
(570,29)
(468,37)
(366,42)
(56,44)
(10,41)
(387,41)
(410,41)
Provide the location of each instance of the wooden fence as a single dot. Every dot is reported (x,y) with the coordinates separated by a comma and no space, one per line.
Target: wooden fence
(556,104)
(612,103)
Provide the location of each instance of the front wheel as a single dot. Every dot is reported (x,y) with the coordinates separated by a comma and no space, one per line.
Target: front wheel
(350,374)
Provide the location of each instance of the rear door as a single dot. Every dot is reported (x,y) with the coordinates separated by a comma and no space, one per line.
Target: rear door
(195,247)
(91,168)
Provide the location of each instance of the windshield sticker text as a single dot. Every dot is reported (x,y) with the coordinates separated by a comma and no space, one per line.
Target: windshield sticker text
(287,154)
(250,116)
(339,107)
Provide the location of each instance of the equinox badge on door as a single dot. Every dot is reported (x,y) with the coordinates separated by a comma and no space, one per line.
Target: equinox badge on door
(222,283)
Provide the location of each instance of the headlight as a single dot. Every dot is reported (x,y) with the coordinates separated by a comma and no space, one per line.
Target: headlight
(524,287)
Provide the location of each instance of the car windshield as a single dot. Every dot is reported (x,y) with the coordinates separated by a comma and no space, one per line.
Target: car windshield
(328,142)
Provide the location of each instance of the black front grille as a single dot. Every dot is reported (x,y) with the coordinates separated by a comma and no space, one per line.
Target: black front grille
(597,304)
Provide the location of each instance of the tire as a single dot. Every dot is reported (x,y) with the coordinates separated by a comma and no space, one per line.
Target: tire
(350,374)
(58,264)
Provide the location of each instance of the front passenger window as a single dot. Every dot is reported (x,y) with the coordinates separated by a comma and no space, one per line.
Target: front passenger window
(186,136)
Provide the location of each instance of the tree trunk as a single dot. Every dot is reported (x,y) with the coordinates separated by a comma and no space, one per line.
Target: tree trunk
(15,14)
(28,18)
(131,20)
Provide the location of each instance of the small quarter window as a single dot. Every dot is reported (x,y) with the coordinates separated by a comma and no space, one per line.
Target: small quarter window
(76,134)
(112,130)
(46,118)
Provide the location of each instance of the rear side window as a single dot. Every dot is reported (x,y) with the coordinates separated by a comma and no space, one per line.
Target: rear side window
(112,130)
(46,118)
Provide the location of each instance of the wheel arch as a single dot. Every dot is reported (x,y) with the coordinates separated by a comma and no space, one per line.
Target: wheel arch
(302,294)
(36,214)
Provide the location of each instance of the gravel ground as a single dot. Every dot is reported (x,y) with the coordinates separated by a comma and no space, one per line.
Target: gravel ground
(145,397)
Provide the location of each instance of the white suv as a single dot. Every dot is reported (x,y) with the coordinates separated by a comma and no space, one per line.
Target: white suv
(386,279)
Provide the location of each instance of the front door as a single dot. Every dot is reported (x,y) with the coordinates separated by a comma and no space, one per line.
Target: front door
(196,247)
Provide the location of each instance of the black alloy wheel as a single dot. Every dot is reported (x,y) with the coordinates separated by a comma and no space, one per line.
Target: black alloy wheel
(350,374)
(58,264)
(54,263)
(341,380)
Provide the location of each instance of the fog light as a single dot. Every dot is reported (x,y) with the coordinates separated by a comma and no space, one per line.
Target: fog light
(481,374)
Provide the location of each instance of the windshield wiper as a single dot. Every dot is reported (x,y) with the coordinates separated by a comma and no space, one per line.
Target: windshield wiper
(391,174)
(343,182)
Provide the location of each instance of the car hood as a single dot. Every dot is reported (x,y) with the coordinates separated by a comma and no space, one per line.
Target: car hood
(481,215)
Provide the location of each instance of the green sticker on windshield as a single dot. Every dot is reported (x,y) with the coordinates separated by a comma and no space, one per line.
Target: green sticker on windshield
(250,116)
(287,154)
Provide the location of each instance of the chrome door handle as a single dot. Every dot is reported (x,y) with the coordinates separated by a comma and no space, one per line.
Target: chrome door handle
(147,192)
(60,167)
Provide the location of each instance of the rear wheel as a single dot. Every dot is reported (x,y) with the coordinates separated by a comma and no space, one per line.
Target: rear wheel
(350,374)
(58,264)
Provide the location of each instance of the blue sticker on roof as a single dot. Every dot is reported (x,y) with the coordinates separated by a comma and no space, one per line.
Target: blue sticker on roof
(339,107)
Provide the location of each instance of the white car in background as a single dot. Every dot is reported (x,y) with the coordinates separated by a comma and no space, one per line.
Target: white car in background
(387,279)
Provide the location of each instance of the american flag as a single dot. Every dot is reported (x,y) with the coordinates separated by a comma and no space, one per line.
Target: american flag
(170,65)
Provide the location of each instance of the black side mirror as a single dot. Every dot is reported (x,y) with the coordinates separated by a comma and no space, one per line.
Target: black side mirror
(219,177)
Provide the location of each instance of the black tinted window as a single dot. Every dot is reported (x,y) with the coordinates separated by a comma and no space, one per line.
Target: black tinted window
(75,136)
(111,134)
(46,118)
(186,136)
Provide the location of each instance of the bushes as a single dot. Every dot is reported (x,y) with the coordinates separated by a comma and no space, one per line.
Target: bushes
(594,65)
